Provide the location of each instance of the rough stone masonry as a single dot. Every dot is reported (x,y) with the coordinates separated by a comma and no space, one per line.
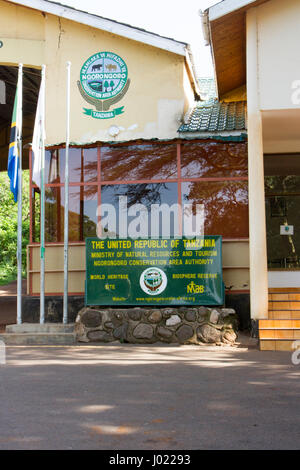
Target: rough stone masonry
(183,325)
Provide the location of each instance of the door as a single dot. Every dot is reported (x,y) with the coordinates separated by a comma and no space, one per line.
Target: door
(282,191)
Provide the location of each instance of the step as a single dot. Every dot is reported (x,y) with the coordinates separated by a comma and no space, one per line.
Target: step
(36,328)
(292,334)
(285,324)
(29,339)
(279,334)
(284,314)
(284,296)
(279,345)
(283,305)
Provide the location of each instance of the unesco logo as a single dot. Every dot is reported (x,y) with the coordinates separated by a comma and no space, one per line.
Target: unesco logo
(153,281)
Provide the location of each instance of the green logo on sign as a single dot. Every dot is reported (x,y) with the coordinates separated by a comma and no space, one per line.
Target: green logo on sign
(103,82)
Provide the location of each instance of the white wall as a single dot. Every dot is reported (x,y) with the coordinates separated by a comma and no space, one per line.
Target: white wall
(284,279)
(278,38)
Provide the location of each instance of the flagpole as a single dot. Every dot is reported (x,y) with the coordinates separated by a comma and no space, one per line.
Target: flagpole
(19,238)
(42,241)
(66,215)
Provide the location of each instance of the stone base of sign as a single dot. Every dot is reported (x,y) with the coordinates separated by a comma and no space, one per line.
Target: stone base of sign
(183,325)
(54,309)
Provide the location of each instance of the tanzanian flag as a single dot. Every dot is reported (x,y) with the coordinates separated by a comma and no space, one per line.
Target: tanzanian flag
(13,154)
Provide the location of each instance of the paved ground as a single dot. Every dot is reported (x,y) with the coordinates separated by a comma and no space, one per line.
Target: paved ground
(11,289)
(148,397)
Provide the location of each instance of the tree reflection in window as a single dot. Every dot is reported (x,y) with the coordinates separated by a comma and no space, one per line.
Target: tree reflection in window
(82,213)
(225,205)
(139,162)
(214,159)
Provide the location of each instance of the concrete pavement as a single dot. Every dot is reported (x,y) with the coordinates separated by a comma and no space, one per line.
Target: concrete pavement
(148,397)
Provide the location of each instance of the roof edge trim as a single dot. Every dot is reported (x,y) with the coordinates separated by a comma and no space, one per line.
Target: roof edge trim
(226,7)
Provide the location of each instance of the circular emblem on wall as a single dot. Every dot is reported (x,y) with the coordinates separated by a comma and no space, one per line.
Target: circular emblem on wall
(153,281)
(103,75)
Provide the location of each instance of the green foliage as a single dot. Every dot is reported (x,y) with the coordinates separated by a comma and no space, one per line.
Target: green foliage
(9,227)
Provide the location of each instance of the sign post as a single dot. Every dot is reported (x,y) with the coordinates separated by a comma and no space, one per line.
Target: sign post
(154,271)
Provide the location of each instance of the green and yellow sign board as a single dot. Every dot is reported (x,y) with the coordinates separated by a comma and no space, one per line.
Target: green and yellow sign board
(154,271)
(103,82)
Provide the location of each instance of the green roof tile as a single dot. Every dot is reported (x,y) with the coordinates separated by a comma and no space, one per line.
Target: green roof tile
(215,116)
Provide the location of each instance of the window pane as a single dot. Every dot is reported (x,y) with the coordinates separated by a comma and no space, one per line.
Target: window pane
(283,250)
(82,165)
(90,165)
(53,215)
(213,159)
(287,184)
(138,162)
(282,208)
(146,194)
(75,163)
(51,166)
(82,213)
(35,215)
(225,205)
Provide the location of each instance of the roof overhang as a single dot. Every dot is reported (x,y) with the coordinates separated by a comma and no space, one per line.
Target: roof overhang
(227,7)
(225,27)
(120,29)
(111,26)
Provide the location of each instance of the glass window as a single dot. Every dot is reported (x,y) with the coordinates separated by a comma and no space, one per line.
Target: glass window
(35,215)
(146,194)
(138,162)
(282,209)
(214,159)
(280,184)
(53,215)
(75,165)
(51,166)
(226,202)
(82,213)
(90,165)
(83,165)
(225,206)
(283,250)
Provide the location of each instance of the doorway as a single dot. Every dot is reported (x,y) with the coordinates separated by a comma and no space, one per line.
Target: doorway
(282,198)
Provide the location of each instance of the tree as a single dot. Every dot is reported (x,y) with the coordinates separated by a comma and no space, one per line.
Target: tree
(106,85)
(9,227)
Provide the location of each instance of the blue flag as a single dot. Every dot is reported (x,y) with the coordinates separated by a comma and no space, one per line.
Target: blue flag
(13,154)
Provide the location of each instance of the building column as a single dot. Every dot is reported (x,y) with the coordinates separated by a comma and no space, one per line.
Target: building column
(257,216)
